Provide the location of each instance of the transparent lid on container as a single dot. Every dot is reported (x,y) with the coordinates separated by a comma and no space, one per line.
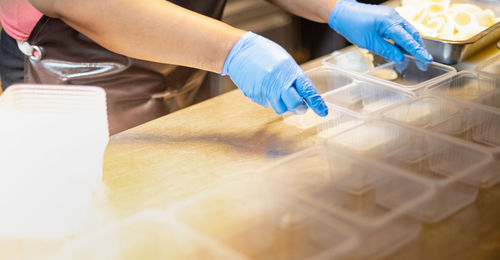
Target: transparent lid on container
(411,74)
(435,159)
(260,221)
(146,235)
(355,60)
(491,66)
(353,189)
(470,86)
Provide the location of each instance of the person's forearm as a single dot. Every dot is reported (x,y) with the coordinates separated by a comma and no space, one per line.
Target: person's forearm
(153,30)
(315,10)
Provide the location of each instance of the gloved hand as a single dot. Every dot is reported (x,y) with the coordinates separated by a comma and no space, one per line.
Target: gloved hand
(268,75)
(367,25)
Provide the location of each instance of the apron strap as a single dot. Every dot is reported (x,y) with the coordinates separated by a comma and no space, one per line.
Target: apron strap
(32,51)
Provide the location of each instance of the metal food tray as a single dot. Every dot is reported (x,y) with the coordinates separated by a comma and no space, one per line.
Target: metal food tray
(453,52)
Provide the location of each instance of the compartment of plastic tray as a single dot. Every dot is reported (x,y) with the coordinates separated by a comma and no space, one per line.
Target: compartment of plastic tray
(146,235)
(324,80)
(355,60)
(409,75)
(471,124)
(260,221)
(371,198)
(470,86)
(491,66)
(336,122)
(440,162)
(365,97)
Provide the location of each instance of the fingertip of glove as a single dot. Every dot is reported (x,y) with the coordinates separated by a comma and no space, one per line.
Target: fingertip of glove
(426,55)
(321,109)
(324,112)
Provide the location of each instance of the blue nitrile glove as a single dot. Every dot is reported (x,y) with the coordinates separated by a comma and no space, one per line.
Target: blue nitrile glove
(367,25)
(268,75)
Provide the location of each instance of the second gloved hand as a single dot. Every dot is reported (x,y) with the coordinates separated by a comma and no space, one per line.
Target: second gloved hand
(268,75)
(367,25)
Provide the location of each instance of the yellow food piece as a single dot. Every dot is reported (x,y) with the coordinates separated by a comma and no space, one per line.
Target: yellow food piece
(386,74)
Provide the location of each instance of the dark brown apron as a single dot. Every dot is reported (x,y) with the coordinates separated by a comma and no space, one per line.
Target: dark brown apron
(137,91)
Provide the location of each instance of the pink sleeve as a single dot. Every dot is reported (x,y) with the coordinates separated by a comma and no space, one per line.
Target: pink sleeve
(18,18)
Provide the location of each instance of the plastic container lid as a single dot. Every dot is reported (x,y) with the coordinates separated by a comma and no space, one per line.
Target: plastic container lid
(491,66)
(370,197)
(470,86)
(260,221)
(436,160)
(409,75)
(460,120)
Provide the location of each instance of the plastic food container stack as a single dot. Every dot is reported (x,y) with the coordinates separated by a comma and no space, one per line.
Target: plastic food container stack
(411,75)
(491,66)
(440,162)
(460,120)
(258,220)
(474,87)
(370,198)
(52,141)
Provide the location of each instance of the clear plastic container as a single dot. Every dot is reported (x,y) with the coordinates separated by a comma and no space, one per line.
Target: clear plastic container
(336,122)
(52,140)
(369,197)
(411,76)
(491,66)
(348,92)
(146,235)
(470,86)
(354,60)
(259,220)
(469,123)
(325,80)
(438,161)
(365,97)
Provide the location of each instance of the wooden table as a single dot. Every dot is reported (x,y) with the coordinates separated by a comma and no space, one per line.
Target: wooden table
(184,153)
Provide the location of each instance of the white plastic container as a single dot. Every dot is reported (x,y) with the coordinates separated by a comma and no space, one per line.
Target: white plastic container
(259,220)
(467,122)
(371,198)
(52,141)
(470,86)
(411,76)
(438,161)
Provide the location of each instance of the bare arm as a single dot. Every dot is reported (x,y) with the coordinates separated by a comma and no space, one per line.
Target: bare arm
(315,10)
(153,30)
